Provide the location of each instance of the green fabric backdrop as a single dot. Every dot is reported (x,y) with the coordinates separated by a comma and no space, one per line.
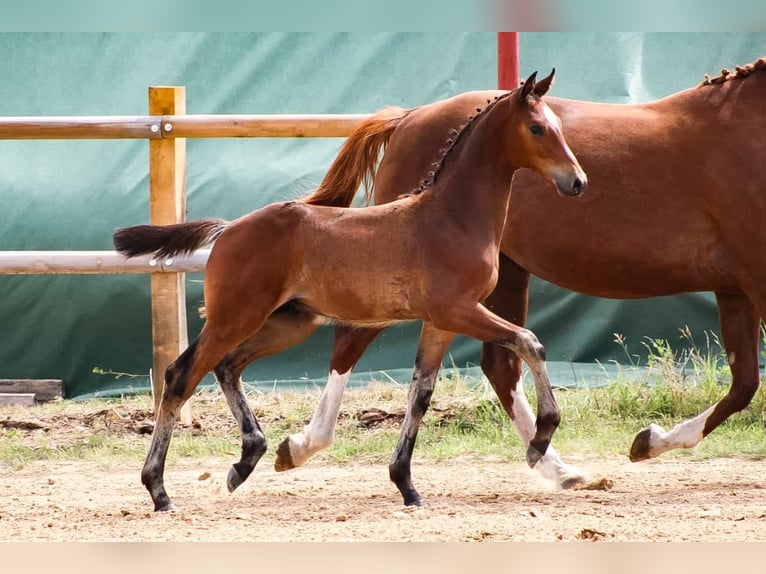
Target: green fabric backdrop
(72,194)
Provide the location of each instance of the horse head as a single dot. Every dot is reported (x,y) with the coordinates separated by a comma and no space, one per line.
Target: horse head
(537,140)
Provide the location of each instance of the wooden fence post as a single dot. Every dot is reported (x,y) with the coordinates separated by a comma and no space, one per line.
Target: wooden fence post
(167,204)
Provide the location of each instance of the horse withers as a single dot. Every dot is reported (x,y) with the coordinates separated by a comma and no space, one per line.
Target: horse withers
(431,257)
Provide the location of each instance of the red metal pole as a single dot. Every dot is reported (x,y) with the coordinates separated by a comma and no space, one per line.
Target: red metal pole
(507,60)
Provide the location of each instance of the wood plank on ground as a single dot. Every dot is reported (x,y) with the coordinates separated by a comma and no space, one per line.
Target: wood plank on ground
(17,399)
(44,390)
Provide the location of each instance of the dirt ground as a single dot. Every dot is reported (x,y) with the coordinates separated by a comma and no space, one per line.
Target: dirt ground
(467,500)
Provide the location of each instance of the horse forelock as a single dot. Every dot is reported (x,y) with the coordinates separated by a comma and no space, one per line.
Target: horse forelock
(453,140)
(739,73)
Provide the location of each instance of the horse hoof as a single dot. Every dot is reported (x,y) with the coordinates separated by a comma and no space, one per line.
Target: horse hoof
(284,460)
(233,479)
(639,450)
(533,456)
(165,507)
(413,500)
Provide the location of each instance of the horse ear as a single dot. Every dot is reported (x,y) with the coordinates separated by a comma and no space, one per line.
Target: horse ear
(527,87)
(541,88)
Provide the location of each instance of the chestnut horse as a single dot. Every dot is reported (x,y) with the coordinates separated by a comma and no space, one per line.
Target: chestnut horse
(430,257)
(676,203)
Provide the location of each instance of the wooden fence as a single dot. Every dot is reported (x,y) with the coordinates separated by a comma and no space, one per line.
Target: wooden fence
(166,127)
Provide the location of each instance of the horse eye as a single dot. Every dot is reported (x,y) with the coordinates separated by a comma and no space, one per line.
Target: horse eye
(536,129)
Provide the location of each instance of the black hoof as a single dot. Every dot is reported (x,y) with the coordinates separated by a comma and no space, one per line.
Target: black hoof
(413,499)
(639,450)
(164,506)
(233,479)
(284,460)
(533,456)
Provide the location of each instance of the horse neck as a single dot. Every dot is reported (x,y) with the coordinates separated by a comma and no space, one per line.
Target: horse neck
(474,185)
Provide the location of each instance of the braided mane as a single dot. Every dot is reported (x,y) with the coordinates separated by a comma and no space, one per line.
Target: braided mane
(739,73)
(452,142)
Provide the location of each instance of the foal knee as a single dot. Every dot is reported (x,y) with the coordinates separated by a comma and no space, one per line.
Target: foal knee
(525,344)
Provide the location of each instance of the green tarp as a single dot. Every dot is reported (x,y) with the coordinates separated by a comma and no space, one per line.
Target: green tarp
(58,195)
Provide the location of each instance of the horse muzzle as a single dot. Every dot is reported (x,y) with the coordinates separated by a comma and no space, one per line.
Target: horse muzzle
(571,185)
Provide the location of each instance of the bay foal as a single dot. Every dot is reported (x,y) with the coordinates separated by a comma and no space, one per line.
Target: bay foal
(431,257)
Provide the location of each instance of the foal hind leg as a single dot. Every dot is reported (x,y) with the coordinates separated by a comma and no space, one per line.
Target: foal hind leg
(181,378)
(349,344)
(278,333)
(475,320)
(740,324)
(502,368)
(431,349)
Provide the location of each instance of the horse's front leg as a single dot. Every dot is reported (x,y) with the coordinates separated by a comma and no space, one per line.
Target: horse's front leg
(431,349)
(740,324)
(475,320)
(502,368)
(348,346)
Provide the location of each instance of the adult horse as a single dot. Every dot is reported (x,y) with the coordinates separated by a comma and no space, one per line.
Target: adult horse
(431,257)
(676,203)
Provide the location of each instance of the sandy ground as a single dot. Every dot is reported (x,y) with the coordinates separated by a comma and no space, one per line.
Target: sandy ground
(467,500)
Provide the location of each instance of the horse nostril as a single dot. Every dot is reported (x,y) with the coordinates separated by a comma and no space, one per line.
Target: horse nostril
(577,186)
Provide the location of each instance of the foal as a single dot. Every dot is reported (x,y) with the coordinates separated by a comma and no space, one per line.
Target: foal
(439,263)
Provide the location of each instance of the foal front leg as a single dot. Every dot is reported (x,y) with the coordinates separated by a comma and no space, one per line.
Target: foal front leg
(502,368)
(431,349)
(475,320)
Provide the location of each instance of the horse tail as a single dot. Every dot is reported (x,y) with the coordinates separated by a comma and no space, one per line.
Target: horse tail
(167,240)
(357,160)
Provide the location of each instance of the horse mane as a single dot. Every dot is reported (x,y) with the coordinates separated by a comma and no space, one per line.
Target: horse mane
(739,73)
(455,134)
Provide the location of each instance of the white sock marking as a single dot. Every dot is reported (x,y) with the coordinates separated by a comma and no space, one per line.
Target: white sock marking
(684,435)
(319,433)
(550,466)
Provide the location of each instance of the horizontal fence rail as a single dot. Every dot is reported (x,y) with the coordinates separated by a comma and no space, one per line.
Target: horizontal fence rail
(179,126)
(96,263)
(82,127)
(260,126)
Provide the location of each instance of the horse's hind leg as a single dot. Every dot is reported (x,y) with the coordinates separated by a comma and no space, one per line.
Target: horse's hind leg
(349,344)
(740,324)
(181,378)
(281,330)
(431,349)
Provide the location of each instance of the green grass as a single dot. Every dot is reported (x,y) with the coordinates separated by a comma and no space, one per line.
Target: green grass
(466,419)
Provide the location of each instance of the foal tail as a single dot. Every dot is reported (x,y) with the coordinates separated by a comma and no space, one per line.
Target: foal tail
(357,160)
(167,240)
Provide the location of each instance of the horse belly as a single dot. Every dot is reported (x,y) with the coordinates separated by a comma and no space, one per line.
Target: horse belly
(362,297)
